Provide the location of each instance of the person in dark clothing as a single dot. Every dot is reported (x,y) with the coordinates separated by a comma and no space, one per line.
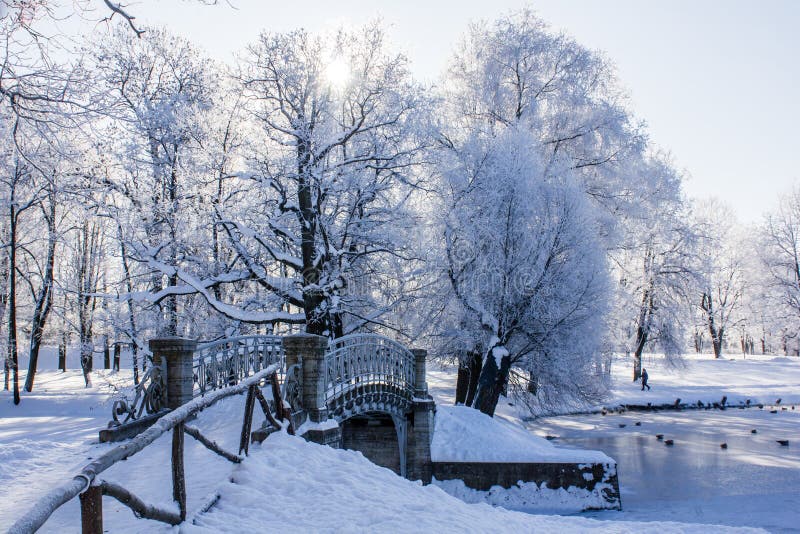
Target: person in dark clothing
(644,380)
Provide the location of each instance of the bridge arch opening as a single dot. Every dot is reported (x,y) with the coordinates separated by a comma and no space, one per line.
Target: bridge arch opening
(378,437)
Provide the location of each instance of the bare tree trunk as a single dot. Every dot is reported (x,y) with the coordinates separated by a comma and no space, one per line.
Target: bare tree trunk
(717,343)
(316,319)
(469,370)
(44,301)
(3,306)
(133,334)
(117,351)
(88,279)
(637,355)
(475,365)
(642,333)
(87,357)
(13,356)
(492,382)
(106,353)
(171,307)
(716,333)
(643,326)
(698,341)
(62,352)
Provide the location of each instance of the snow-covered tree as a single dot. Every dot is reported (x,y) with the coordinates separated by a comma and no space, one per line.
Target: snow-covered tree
(29,196)
(333,172)
(517,71)
(18,188)
(657,267)
(781,264)
(155,92)
(723,269)
(40,278)
(517,75)
(525,264)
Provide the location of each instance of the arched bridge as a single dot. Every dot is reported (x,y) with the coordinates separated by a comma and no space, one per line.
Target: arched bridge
(363,373)
(367,373)
(365,383)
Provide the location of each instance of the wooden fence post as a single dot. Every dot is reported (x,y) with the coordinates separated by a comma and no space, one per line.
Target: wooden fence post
(92,510)
(247,422)
(178,477)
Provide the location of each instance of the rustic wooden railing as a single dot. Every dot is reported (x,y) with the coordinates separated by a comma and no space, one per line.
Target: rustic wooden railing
(90,489)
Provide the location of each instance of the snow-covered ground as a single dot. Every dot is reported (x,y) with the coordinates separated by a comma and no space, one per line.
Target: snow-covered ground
(288,485)
(49,434)
(54,431)
(761,379)
(285,484)
(466,435)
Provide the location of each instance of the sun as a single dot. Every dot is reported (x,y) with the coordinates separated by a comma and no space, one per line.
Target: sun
(337,73)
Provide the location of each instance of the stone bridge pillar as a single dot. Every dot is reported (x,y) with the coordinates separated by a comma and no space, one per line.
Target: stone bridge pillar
(420,377)
(308,351)
(177,352)
(420,433)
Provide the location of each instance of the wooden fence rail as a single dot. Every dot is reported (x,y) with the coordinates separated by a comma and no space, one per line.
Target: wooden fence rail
(91,490)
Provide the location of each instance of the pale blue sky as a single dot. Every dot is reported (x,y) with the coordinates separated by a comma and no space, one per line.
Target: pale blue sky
(715,80)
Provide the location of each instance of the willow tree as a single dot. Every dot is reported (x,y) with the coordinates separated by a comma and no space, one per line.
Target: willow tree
(517,75)
(528,270)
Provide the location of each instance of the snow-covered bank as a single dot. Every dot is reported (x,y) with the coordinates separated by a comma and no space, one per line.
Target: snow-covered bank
(469,438)
(289,485)
(54,430)
(285,485)
(528,497)
(759,379)
(466,435)
(751,482)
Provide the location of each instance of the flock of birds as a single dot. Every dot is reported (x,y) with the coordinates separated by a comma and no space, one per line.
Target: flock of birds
(700,405)
(720,405)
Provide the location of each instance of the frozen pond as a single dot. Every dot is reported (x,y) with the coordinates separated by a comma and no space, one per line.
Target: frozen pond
(754,482)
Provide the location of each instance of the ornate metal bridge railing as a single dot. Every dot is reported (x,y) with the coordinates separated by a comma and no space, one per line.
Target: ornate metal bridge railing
(228,361)
(363,373)
(368,372)
(149,397)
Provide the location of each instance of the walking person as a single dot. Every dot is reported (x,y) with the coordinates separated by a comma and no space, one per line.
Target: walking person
(644,380)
